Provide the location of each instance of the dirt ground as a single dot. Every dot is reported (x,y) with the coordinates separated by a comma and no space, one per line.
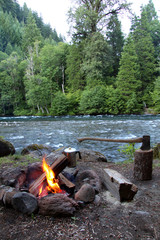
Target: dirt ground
(106,219)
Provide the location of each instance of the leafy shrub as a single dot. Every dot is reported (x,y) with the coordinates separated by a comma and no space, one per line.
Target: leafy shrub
(115,103)
(93,100)
(60,105)
(128,150)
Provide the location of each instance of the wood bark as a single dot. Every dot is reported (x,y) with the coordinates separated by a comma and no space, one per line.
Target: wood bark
(66,182)
(57,167)
(120,187)
(143,160)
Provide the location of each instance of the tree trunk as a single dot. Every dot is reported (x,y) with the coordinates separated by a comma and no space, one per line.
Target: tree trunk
(143,160)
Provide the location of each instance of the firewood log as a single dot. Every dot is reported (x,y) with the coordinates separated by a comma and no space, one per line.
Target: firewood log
(57,167)
(118,185)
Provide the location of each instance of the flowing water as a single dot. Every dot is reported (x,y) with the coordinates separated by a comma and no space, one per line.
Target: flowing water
(64,131)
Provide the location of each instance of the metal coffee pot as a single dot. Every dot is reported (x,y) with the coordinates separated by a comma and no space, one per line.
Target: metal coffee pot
(71,155)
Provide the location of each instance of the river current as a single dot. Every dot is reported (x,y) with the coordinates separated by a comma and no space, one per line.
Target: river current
(64,131)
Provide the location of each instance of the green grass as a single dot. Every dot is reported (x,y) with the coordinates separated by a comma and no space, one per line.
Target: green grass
(17,160)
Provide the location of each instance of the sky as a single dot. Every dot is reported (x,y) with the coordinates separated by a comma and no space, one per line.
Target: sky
(54,12)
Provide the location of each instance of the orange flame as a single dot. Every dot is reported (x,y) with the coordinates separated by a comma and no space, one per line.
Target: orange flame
(53,185)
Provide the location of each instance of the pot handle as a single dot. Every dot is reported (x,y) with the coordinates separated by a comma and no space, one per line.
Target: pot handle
(79,154)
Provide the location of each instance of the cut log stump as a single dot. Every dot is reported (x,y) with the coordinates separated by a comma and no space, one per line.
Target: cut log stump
(143,160)
(120,187)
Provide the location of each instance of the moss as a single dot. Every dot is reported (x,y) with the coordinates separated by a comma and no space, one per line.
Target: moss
(33,147)
(17,160)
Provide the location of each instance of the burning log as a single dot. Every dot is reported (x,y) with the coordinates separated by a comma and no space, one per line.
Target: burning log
(65,181)
(57,167)
(118,185)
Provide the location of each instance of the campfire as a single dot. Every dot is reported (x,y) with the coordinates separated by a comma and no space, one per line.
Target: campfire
(53,185)
(50,180)
(51,189)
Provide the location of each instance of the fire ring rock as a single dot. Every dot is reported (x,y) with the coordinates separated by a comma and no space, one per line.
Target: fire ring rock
(24,202)
(86,193)
(56,205)
(6,148)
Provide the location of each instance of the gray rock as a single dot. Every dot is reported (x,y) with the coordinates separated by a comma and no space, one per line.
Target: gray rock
(92,156)
(24,202)
(9,177)
(35,150)
(86,194)
(90,177)
(156,151)
(56,205)
(3,190)
(7,198)
(6,148)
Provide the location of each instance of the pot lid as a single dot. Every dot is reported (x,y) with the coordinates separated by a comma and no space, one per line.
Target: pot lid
(69,150)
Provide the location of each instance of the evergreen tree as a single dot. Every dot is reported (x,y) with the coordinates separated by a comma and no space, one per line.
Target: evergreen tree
(154,26)
(145,52)
(156,95)
(31,33)
(115,39)
(129,78)
(97,60)
(76,78)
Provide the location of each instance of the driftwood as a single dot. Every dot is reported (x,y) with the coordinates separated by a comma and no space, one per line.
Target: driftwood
(118,185)
(57,167)
(143,160)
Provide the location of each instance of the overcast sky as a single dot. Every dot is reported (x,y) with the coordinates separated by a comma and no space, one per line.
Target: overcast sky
(54,12)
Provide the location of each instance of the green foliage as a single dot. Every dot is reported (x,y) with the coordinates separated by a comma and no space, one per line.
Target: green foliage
(128,79)
(97,60)
(60,105)
(115,102)
(115,39)
(128,151)
(89,17)
(146,56)
(75,79)
(93,100)
(156,95)
(95,74)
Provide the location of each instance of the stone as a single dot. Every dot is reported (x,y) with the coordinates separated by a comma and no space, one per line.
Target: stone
(25,202)
(92,156)
(9,176)
(156,151)
(8,195)
(6,148)
(86,194)
(3,189)
(56,205)
(90,177)
(36,151)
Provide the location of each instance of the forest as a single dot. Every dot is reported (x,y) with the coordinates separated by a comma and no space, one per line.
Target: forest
(101,71)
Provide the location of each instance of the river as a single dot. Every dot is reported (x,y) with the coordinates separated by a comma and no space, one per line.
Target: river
(64,131)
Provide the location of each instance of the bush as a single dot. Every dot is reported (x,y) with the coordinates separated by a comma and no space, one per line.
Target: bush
(115,103)
(60,105)
(93,100)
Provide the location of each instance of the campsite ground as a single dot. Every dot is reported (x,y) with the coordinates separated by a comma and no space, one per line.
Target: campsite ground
(105,219)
